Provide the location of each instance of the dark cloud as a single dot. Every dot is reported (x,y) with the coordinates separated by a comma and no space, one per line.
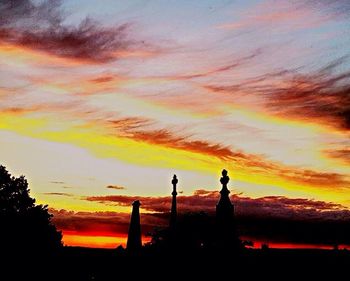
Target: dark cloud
(100,223)
(118,187)
(266,207)
(41,27)
(321,95)
(58,194)
(270,218)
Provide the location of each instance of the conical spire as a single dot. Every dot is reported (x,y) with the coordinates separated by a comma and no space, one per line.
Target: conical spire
(173,215)
(134,242)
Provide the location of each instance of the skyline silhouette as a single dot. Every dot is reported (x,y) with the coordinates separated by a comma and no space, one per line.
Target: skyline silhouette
(103,102)
(219,230)
(204,244)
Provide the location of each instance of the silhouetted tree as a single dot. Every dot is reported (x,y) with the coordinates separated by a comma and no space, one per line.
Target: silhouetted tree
(24,226)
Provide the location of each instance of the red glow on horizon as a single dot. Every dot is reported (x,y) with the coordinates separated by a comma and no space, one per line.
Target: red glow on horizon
(290,245)
(106,240)
(111,240)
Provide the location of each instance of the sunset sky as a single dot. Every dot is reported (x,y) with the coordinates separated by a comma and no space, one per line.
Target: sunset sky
(101,102)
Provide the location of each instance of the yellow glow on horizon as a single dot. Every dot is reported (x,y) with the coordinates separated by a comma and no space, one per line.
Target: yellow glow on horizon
(141,153)
(93,241)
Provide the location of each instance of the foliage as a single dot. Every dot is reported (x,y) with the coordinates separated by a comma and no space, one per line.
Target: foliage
(25,226)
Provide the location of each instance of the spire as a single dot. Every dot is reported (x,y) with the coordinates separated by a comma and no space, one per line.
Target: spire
(225,215)
(225,202)
(173,215)
(134,236)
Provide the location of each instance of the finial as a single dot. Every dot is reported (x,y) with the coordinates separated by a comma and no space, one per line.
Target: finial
(136,203)
(225,178)
(174,181)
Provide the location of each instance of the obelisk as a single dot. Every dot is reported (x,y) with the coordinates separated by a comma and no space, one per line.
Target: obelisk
(134,242)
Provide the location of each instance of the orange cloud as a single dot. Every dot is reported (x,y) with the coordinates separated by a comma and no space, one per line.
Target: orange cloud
(324,179)
(253,163)
(18,110)
(341,154)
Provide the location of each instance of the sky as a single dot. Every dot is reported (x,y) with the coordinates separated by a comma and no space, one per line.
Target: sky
(101,102)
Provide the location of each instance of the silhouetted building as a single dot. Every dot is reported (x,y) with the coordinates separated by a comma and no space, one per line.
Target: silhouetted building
(134,242)
(225,216)
(173,214)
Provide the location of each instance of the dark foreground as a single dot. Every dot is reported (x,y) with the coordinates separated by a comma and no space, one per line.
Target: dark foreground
(102,264)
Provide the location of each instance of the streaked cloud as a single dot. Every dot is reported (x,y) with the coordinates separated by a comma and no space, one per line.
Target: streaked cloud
(323,95)
(58,194)
(117,187)
(41,27)
(341,154)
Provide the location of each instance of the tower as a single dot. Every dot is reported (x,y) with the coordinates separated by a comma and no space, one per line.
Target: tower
(173,214)
(225,215)
(134,242)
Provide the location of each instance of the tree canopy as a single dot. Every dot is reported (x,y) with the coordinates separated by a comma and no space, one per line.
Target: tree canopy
(24,226)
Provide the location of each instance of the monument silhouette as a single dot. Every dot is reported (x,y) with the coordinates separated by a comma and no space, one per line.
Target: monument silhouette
(134,243)
(226,233)
(173,214)
(200,230)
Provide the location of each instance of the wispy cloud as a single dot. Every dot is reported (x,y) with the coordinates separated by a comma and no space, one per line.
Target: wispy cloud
(58,194)
(117,187)
(41,27)
(319,95)
(323,95)
(57,182)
